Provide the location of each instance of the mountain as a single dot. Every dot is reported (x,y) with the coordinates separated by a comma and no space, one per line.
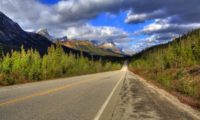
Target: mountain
(76,44)
(44,33)
(61,39)
(110,46)
(96,42)
(87,46)
(13,37)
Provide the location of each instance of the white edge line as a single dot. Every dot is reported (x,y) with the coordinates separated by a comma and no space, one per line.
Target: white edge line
(100,112)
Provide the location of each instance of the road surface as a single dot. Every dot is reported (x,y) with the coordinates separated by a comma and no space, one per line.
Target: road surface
(82,97)
(76,98)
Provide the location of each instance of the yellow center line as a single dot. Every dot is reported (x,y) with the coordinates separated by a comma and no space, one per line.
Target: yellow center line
(43,93)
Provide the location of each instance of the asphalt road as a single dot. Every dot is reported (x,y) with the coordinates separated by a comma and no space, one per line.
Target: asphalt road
(83,97)
(76,98)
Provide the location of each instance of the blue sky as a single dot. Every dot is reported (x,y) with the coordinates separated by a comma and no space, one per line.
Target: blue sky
(113,20)
(132,24)
(49,1)
(117,20)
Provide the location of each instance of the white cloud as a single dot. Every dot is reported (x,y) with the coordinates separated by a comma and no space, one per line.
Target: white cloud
(141,17)
(103,33)
(71,16)
(31,14)
(163,26)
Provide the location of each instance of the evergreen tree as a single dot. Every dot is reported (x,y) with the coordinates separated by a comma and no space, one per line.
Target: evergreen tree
(35,66)
(6,64)
(44,67)
(28,65)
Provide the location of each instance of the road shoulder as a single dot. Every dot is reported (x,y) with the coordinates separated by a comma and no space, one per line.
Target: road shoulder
(141,100)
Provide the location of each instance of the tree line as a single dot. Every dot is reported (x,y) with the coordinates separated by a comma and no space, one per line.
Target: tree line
(173,65)
(28,65)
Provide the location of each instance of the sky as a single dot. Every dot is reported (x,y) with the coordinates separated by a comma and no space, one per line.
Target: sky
(132,25)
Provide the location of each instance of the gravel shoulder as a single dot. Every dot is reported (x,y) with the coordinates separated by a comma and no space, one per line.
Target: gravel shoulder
(140,100)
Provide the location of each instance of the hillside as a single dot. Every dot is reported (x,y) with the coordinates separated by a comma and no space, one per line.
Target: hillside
(87,46)
(175,65)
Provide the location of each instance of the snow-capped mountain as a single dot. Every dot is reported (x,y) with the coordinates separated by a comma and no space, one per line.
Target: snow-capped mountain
(110,46)
(44,32)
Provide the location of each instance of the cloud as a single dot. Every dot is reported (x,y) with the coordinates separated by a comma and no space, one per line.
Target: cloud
(102,33)
(68,17)
(31,14)
(179,10)
(160,26)
(142,17)
(162,30)
(171,18)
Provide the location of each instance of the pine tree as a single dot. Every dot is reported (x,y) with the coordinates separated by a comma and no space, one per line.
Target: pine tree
(18,67)
(24,62)
(44,67)
(6,64)
(35,66)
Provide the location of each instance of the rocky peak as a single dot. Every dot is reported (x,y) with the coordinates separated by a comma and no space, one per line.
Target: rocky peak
(61,39)
(110,46)
(44,32)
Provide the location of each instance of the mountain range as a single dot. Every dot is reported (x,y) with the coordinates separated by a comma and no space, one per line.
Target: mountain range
(87,46)
(12,36)
(92,47)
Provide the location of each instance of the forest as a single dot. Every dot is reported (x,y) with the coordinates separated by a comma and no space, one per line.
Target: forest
(175,65)
(28,65)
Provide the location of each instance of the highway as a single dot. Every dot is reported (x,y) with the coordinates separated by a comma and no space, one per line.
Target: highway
(88,97)
(75,98)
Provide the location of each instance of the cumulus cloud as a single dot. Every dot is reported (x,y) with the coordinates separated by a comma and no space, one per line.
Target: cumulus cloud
(86,9)
(65,13)
(68,17)
(171,18)
(103,33)
(179,10)
(162,30)
(142,17)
